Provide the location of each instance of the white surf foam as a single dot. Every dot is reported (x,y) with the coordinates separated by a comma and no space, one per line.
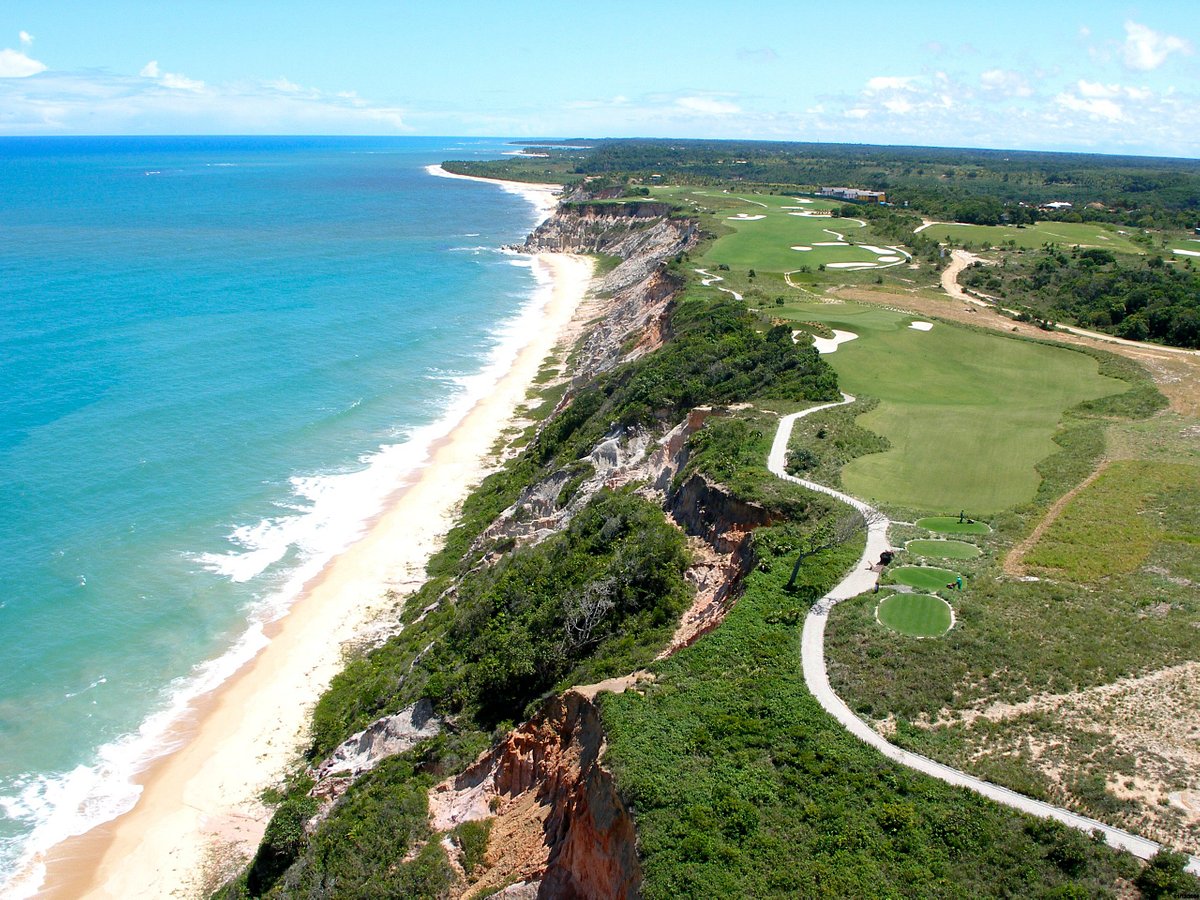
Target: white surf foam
(333,510)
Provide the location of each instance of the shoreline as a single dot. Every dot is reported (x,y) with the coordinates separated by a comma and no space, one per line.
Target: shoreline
(199,801)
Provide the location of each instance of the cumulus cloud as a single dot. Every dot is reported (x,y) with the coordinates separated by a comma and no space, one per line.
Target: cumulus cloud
(1012,84)
(170,80)
(1097,107)
(882,83)
(26,39)
(15,64)
(1145,49)
(708,106)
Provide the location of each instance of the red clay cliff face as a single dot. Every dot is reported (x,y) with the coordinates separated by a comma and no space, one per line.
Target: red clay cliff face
(558,818)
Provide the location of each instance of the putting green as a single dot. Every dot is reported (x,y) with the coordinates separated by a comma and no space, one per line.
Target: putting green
(943,549)
(951,525)
(917,615)
(969,414)
(927,578)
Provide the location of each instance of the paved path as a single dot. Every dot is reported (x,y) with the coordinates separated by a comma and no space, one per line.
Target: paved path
(961,259)
(812,651)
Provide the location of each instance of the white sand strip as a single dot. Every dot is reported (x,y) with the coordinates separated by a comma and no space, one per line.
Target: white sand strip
(830,345)
(921,326)
(1187,252)
(891,259)
(247,732)
(830,243)
(851,265)
(544,197)
(802,249)
(745,217)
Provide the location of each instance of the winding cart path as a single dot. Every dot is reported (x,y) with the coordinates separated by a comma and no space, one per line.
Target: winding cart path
(816,676)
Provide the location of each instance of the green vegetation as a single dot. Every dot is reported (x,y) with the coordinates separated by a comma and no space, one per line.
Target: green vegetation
(1031,237)
(744,787)
(952,525)
(823,443)
(948,184)
(928,578)
(969,414)
(765,240)
(1113,525)
(941,549)
(1135,299)
(917,615)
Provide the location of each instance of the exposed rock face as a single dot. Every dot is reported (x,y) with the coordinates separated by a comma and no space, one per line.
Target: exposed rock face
(558,818)
(384,737)
(639,289)
(362,752)
(706,509)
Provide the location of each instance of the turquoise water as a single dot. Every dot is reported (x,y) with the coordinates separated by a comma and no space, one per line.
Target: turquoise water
(215,356)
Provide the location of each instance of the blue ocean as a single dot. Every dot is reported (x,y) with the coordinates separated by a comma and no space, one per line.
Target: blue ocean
(217,355)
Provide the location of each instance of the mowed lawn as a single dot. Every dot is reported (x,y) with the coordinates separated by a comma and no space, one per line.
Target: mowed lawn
(1085,234)
(918,615)
(969,414)
(765,244)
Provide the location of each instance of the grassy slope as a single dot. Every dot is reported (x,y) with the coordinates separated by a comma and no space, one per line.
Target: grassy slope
(744,787)
(969,414)
(1085,234)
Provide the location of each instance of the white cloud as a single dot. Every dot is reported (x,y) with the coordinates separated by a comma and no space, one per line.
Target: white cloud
(283,84)
(1007,82)
(898,105)
(158,102)
(708,106)
(26,39)
(1099,107)
(170,80)
(889,83)
(1147,49)
(14,64)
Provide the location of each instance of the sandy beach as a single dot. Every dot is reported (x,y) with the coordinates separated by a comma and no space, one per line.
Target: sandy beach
(199,807)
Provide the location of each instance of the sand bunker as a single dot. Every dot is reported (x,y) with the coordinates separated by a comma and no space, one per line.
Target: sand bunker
(1187,252)
(891,259)
(804,249)
(921,326)
(850,265)
(744,217)
(830,345)
(831,244)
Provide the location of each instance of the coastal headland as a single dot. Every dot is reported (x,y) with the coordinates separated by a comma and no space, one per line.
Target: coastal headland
(199,806)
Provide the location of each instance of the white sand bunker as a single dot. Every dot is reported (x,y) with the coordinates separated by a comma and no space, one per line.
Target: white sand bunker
(830,244)
(850,265)
(1187,252)
(745,217)
(921,326)
(804,249)
(830,345)
(891,259)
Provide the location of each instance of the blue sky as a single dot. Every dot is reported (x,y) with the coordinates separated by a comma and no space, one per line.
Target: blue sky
(1057,74)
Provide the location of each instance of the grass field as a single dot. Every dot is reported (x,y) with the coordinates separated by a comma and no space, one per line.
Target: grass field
(951,525)
(1085,234)
(927,578)
(1111,527)
(765,244)
(917,615)
(969,414)
(943,549)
